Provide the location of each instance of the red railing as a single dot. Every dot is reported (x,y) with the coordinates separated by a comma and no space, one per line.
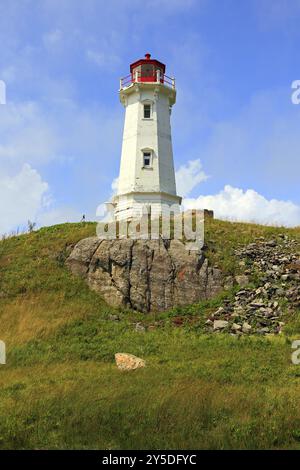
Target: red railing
(137,77)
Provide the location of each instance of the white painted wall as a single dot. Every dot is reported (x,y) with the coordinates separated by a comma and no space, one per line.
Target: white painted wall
(140,134)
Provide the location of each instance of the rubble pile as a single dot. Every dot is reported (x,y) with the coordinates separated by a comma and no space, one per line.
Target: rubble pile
(273,266)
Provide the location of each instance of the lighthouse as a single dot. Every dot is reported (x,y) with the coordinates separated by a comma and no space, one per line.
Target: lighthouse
(147,176)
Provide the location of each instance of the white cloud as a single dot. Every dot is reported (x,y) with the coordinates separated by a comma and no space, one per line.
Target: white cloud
(247,206)
(65,132)
(102,211)
(25,196)
(52,38)
(97,57)
(8,74)
(25,135)
(189,176)
(114,185)
(102,59)
(75,138)
(22,196)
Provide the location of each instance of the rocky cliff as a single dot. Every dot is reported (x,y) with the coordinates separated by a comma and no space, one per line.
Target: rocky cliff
(145,275)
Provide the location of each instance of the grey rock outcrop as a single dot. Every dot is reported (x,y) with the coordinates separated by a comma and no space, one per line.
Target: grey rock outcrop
(145,275)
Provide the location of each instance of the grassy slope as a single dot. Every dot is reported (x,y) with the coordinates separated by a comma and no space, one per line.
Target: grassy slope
(61,389)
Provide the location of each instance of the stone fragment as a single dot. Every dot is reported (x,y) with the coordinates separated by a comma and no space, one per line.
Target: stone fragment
(139,327)
(246,328)
(126,362)
(242,280)
(220,324)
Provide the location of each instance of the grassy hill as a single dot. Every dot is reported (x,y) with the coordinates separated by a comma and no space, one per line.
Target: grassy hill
(61,388)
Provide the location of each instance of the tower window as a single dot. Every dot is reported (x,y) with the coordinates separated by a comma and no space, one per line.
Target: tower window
(147,159)
(147,111)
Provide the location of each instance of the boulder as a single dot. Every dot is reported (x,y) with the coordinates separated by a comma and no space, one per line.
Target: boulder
(127,362)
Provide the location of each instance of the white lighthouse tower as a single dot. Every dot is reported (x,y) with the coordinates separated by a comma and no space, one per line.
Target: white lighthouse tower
(147,176)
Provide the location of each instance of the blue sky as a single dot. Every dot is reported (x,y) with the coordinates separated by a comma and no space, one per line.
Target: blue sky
(61,129)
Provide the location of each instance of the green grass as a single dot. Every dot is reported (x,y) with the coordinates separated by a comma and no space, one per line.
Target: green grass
(61,388)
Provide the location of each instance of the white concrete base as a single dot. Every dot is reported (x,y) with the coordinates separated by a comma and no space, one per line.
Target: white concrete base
(130,205)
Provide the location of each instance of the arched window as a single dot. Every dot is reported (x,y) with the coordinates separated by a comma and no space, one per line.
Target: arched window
(147,111)
(147,158)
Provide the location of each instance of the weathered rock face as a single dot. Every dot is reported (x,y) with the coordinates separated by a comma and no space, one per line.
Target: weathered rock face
(145,275)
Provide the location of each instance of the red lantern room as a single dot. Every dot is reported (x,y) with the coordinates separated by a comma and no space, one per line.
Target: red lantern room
(147,71)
